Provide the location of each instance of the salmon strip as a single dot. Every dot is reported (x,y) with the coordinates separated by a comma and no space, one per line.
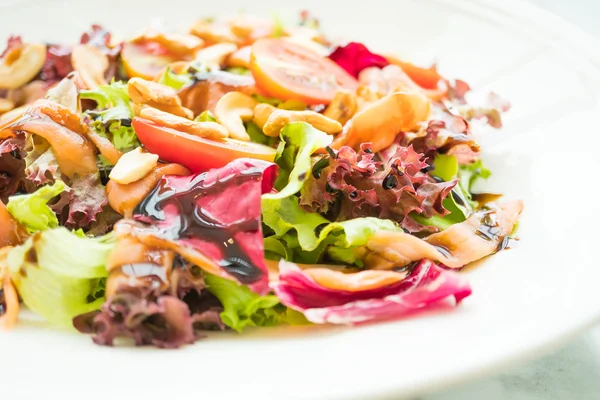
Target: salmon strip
(479,236)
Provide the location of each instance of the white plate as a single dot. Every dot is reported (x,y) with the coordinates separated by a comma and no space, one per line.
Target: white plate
(524,300)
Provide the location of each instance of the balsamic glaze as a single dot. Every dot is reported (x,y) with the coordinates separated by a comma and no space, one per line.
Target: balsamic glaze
(192,222)
(319,166)
(319,228)
(329,189)
(389,182)
(2,302)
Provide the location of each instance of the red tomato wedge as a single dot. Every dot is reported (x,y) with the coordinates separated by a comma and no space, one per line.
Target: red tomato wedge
(289,71)
(196,153)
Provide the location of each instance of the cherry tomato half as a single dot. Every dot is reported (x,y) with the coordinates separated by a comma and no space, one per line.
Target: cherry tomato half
(196,153)
(289,71)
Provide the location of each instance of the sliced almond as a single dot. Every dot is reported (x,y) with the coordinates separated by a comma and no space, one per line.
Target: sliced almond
(210,130)
(133,166)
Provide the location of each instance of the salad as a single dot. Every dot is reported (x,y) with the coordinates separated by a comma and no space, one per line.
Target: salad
(243,174)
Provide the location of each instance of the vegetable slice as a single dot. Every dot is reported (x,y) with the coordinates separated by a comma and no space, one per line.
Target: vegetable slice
(196,153)
(286,70)
(58,285)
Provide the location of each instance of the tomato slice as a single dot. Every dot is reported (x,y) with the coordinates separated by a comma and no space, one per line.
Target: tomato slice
(196,153)
(289,71)
(145,61)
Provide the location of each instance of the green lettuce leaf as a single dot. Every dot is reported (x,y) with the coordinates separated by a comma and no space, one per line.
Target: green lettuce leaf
(32,210)
(292,105)
(309,236)
(60,274)
(257,135)
(299,141)
(205,116)
(239,71)
(174,80)
(244,308)
(468,174)
(460,203)
(113,114)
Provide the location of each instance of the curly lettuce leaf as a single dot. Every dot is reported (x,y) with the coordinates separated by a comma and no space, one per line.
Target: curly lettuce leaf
(243,308)
(113,114)
(32,210)
(59,274)
(299,141)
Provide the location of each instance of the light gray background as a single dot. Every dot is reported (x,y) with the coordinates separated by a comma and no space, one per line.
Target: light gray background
(573,372)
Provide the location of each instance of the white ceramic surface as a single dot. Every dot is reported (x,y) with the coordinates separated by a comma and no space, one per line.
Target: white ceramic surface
(525,300)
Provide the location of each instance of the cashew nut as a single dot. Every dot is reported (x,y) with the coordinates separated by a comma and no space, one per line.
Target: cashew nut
(272,120)
(181,44)
(215,55)
(133,166)
(210,130)
(240,57)
(232,110)
(262,112)
(91,64)
(21,65)
(342,106)
(158,96)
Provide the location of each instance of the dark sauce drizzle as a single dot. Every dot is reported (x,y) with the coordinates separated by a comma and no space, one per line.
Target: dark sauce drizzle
(192,222)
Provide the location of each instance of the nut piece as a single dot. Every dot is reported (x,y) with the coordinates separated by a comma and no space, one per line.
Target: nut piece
(6,105)
(133,166)
(272,120)
(91,64)
(209,130)
(158,96)
(262,112)
(21,65)
(342,106)
(215,55)
(240,57)
(232,110)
